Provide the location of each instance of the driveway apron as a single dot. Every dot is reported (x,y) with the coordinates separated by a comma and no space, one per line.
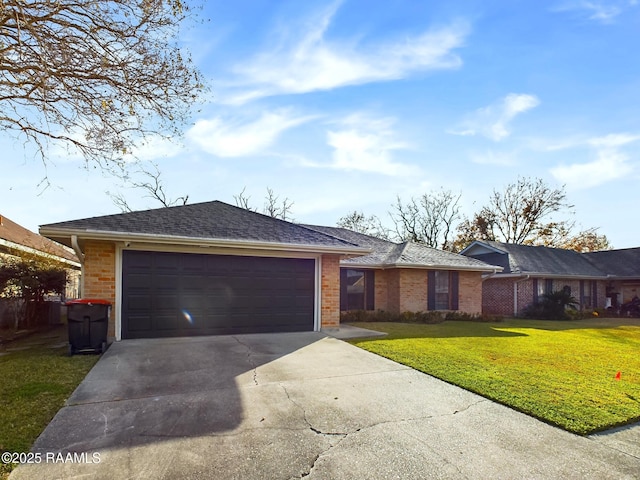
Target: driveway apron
(299,405)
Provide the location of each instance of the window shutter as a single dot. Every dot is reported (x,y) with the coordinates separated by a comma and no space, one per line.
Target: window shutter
(453,299)
(535,290)
(370,290)
(581,299)
(594,297)
(343,290)
(431,290)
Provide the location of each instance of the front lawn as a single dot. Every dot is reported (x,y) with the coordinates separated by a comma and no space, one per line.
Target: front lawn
(36,377)
(562,372)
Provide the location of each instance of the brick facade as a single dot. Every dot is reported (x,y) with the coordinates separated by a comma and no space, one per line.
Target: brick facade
(330,291)
(99,273)
(400,290)
(498,293)
(470,292)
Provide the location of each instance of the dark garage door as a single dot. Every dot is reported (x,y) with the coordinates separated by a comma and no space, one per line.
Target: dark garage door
(176,294)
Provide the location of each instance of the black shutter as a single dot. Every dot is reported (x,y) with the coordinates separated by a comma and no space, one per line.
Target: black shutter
(431,290)
(594,297)
(454,279)
(535,290)
(581,300)
(343,290)
(370,289)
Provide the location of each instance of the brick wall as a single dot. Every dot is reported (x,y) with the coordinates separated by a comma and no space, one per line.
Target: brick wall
(413,290)
(470,292)
(100,275)
(381,295)
(497,296)
(330,291)
(405,290)
(393,290)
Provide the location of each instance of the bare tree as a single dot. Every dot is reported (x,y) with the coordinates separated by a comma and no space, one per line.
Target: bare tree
(523,214)
(152,185)
(97,76)
(273,206)
(429,219)
(242,200)
(358,222)
(276,208)
(588,240)
(517,215)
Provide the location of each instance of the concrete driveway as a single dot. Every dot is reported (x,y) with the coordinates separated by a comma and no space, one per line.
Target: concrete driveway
(299,405)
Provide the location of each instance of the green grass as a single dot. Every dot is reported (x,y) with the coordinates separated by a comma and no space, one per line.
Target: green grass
(560,372)
(34,384)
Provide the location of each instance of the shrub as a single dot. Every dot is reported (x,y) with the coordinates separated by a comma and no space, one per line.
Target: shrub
(558,305)
(429,317)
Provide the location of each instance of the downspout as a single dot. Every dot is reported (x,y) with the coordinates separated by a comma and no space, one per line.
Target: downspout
(80,255)
(489,275)
(515,294)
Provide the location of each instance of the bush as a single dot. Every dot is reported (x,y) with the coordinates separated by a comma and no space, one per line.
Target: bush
(431,317)
(558,305)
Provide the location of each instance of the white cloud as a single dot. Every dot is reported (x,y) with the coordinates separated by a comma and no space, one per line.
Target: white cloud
(365,144)
(493,121)
(611,163)
(613,140)
(306,61)
(603,12)
(228,138)
(491,157)
(608,166)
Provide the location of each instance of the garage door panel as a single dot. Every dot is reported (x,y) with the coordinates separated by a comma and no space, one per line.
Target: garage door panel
(172,294)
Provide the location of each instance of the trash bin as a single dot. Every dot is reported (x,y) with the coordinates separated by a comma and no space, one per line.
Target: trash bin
(88,320)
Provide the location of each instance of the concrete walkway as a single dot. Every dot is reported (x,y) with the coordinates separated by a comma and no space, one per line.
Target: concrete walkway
(300,405)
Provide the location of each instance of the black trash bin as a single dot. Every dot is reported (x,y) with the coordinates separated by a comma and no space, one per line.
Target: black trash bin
(88,321)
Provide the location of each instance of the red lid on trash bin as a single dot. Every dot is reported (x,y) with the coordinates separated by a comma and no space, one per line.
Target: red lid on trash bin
(88,301)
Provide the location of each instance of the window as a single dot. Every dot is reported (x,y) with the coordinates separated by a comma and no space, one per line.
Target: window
(442,290)
(586,289)
(356,289)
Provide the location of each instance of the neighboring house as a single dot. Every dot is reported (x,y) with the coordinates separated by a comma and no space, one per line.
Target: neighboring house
(623,271)
(16,241)
(212,268)
(531,271)
(408,276)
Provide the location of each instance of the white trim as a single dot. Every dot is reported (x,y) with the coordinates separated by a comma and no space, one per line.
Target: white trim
(118,305)
(147,238)
(317,314)
(40,253)
(417,266)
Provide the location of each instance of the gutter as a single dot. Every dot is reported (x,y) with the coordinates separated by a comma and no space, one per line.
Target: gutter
(40,253)
(491,275)
(515,293)
(150,238)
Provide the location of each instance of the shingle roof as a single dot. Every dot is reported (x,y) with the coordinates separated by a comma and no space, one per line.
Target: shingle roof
(210,220)
(406,254)
(528,259)
(619,263)
(380,248)
(16,236)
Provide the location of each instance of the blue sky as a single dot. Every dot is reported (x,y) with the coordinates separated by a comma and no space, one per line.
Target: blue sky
(341,106)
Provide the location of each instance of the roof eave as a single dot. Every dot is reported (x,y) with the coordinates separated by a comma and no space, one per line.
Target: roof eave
(551,275)
(85,234)
(386,266)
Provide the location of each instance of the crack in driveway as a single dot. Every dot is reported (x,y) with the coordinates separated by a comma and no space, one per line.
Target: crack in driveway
(249,358)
